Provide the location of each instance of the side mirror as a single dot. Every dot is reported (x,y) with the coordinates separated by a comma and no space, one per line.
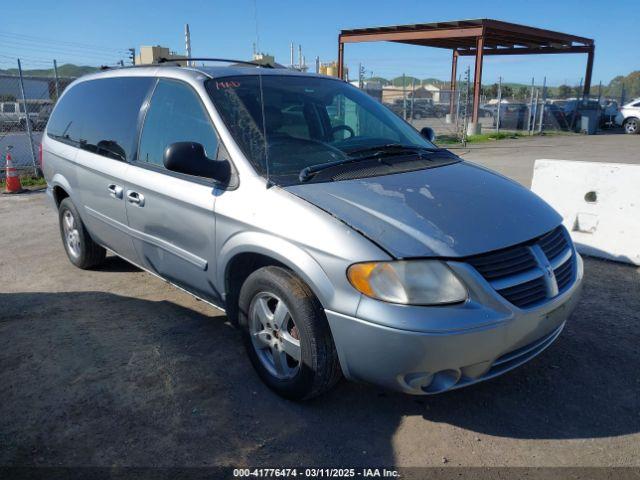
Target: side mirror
(428,133)
(190,158)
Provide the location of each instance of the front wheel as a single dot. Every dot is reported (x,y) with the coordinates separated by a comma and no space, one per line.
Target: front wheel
(632,125)
(287,335)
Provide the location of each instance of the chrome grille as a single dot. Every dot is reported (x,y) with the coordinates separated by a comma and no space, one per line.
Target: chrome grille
(503,263)
(532,272)
(527,293)
(553,243)
(564,275)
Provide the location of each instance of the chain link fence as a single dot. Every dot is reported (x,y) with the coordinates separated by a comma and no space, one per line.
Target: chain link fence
(26,101)
(506,108)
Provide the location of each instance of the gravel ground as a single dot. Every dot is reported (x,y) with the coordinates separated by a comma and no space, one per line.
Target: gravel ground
(113,367)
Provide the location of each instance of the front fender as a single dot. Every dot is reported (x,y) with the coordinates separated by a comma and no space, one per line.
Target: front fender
(285,252)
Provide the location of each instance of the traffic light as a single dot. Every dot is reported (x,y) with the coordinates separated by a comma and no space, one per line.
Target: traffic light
(132,56)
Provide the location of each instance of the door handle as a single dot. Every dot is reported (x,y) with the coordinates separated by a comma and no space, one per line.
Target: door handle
(135,198)
(115,190)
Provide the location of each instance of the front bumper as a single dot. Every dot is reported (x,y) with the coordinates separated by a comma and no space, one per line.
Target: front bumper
(491,338)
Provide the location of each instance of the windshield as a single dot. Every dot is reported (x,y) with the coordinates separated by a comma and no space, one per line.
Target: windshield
(308,122)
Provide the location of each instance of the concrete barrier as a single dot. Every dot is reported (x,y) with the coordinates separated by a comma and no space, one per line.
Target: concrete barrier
(599,204)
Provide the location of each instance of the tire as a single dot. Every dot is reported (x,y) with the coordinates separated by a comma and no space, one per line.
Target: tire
(631,125)
(82,251)
(317,368)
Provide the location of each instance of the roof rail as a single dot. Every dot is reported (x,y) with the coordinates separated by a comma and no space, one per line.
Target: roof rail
(204,59)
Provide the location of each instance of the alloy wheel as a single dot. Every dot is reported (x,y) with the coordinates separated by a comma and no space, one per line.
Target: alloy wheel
(71,234)
(274,336)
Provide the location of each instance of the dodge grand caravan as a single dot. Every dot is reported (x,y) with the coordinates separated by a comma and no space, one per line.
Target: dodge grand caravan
(339,239)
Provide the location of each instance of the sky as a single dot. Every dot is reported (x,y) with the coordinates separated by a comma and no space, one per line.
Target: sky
(94,33)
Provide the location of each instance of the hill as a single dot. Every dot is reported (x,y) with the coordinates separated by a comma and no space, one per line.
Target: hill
(66,70)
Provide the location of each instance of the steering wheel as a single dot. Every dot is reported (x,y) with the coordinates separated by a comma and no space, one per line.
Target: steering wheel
(337,128)
(288,141)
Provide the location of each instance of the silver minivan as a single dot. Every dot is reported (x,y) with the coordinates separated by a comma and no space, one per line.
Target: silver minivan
(339,239)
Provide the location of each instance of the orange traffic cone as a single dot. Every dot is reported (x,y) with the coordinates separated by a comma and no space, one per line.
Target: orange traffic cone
(13,184)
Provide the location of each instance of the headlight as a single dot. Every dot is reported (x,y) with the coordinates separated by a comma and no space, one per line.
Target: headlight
(412,282)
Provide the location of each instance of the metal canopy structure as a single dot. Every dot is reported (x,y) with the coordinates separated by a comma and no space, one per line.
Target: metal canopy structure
(474,38)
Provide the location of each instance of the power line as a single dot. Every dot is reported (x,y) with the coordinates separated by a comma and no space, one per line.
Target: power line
(60,42)
(55,50)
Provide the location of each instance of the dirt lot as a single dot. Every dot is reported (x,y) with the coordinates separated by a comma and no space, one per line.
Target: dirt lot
(113,367)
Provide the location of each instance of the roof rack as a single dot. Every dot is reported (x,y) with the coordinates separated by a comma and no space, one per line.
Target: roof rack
(204,59)
(169,62)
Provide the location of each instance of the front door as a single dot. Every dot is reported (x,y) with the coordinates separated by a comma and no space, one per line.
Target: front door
(171,215)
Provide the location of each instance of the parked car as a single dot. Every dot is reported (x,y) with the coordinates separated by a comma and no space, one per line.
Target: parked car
(345,244)
(12,115)
(629,117)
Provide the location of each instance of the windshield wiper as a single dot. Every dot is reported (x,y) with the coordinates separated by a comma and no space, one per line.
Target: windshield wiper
(308,172)
(377,151)
(391,148)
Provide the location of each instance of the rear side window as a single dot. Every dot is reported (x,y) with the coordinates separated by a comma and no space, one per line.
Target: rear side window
(101,116)
(176,114)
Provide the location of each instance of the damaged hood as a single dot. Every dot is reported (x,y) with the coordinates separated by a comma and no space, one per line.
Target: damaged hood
(451,211)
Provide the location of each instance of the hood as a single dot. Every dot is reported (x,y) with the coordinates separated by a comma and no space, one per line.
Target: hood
(451,211)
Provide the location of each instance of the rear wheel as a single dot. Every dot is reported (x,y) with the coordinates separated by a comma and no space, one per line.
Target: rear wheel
(631,125)
(287,335)
(82,251)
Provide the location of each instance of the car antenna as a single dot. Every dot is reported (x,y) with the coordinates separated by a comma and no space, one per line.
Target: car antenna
(264,131)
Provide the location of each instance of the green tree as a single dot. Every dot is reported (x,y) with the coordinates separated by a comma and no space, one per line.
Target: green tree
(523,92)
(564,91)
(491,91)
(397,82)
(631,84)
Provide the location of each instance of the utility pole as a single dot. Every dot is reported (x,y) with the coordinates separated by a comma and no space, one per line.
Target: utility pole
(187,44)
(291,63)
(300,57)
